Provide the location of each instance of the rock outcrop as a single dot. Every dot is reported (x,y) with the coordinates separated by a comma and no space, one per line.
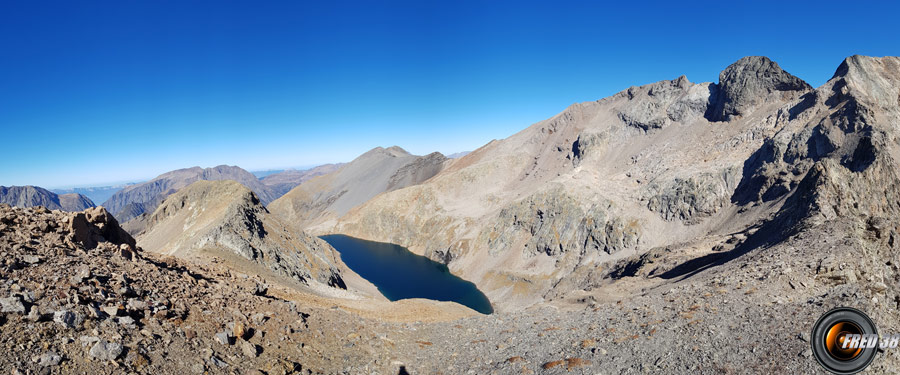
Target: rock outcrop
(662,103)
(556,223)
(225,219)
(95,226)
(694,198)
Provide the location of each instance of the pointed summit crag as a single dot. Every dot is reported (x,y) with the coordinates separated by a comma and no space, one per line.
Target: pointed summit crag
(748,83)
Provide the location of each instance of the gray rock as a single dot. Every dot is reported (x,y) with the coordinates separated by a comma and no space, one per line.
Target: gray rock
(258,318)
(694,198)
(94,312)
(218,362)
(261,289)
(34,315)
(49,359)
(81,273)
(662,103)
(126,321)
(198,368)
(249,349)
(31,259)
(110,310)
(106,351)
(136,305)
(225,338)
(88,340)
(67,318)
(12,305)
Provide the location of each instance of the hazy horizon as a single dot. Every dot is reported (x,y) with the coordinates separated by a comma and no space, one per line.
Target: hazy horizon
(100,92)
(254,171)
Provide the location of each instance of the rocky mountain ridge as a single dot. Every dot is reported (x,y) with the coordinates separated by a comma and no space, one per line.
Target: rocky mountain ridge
(526,217)
(225,219)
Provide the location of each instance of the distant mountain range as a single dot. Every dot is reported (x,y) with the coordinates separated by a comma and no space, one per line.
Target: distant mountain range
(95,193)
(30,196)
(284,181)
(457,155)
(144,197)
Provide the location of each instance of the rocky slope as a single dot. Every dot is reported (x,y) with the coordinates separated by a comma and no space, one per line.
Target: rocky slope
(226,220)
(283,182)
(32,196)
(137,199)
(533,217)
(324,198)
(76,296)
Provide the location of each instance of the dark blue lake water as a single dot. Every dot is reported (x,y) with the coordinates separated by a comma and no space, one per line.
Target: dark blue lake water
(399,274)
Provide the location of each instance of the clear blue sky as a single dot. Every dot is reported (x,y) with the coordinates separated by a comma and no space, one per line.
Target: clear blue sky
(96,92)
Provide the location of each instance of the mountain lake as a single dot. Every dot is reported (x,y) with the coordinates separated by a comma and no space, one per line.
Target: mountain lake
(400,274)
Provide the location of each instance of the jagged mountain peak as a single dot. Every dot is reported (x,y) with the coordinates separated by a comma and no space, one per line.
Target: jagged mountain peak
(860,63)
(873,79)
(749,82)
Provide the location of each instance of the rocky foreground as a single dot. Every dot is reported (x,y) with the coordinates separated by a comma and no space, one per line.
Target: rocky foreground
(74,302)
(78,297)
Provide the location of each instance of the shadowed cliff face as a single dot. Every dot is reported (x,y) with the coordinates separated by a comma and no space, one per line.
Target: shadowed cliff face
(672,164)
(749,82)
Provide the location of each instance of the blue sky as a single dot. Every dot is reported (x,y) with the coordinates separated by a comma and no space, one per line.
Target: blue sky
(98,92)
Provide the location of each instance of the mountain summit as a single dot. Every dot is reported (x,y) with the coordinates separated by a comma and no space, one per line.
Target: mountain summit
(747,83)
